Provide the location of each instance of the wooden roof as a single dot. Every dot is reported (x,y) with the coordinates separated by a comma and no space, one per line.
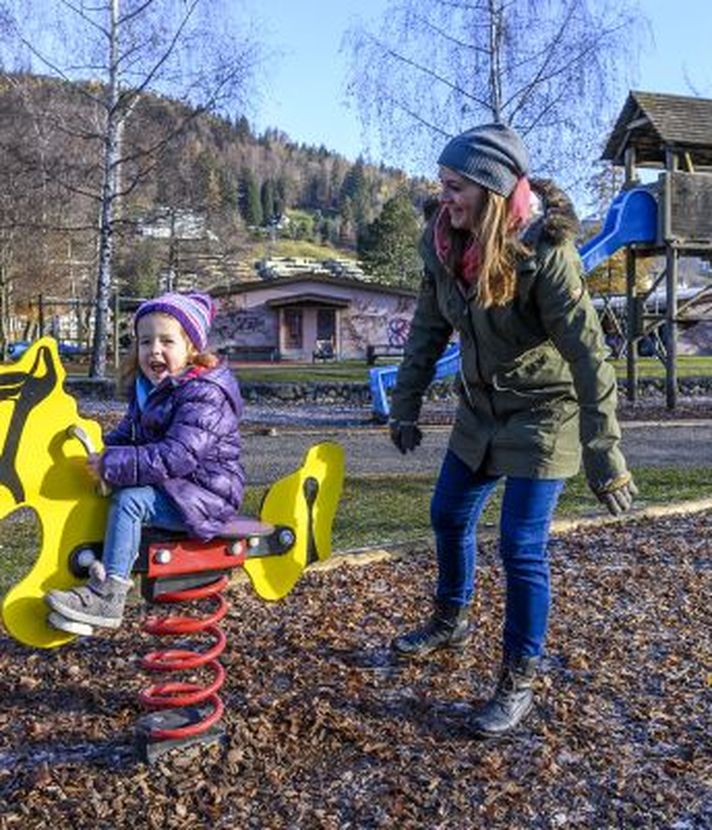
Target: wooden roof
(653,121)
(322,279)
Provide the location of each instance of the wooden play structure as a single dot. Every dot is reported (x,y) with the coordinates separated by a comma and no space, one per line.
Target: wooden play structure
(672,133)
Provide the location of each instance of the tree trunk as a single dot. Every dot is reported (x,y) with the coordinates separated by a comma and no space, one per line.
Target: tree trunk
(495,45)
(97,368)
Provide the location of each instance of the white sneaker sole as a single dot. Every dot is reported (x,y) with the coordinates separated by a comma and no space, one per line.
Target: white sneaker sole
(71,614)
(56,620)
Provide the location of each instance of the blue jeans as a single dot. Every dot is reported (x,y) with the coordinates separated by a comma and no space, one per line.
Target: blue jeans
(131,509)
(528,505)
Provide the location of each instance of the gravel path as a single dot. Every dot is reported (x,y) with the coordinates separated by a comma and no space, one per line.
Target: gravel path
(276,438)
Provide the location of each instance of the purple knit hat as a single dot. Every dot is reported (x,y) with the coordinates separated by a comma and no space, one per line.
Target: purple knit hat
(195,312)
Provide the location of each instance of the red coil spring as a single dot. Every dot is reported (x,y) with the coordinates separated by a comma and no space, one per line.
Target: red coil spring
(174,695)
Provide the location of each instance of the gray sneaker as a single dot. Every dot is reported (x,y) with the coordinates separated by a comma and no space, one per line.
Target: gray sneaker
(100,602)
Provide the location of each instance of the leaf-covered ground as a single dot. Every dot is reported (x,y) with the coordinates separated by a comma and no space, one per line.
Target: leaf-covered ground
(325,730)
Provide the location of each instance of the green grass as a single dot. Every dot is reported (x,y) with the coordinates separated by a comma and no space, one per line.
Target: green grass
(20,540)
(299,248)
(362,520)
(383,509)
(343,371)
(356,371)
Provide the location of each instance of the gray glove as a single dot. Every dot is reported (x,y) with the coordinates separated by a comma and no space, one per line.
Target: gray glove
(617,495)
(406,435)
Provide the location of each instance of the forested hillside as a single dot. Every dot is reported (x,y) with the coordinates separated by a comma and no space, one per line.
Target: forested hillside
(200,195)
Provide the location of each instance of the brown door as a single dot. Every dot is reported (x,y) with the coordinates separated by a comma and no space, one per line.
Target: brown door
(293,329)
(326,324)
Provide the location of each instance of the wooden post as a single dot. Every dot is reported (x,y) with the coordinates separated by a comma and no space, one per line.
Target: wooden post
(671,264)
(631,176)
(631,291)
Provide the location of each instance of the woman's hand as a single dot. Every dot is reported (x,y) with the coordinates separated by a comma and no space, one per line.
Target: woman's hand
(617,495)
(406,435)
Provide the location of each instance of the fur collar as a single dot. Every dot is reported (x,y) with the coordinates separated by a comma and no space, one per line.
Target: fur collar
(557,222)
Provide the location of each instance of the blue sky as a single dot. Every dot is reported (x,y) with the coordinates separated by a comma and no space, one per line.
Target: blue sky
(304,93)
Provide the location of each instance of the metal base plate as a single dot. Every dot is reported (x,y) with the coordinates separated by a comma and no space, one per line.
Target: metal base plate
(149,750)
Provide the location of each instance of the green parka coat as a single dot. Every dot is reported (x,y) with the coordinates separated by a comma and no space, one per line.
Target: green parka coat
(535,387)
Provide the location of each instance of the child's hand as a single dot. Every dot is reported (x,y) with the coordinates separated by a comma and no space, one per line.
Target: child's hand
(94,465)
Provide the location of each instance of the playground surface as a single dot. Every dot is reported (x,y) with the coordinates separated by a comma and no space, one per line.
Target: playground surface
(326,730)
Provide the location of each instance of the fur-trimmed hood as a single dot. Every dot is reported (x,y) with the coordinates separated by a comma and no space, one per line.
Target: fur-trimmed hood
(556,222)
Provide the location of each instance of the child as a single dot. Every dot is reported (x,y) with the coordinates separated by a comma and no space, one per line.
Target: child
(174,460)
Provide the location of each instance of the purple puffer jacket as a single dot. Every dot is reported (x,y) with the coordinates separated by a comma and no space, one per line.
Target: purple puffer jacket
(187,442)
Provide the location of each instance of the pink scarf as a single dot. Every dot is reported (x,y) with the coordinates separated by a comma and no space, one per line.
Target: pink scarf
(518,214)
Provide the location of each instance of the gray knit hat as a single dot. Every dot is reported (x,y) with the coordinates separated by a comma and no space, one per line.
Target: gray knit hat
(492,155)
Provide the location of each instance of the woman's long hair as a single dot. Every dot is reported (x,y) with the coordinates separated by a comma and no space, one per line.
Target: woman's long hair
(498,246)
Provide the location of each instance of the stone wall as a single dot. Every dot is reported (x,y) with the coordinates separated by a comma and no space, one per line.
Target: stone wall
(358,394)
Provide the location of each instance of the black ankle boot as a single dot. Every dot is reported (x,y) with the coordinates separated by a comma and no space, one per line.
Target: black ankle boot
(446,628)
(512,701)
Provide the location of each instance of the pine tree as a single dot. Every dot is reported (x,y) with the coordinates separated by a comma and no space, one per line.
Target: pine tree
(389,246)
(355,189)
(267,199)
(250,202)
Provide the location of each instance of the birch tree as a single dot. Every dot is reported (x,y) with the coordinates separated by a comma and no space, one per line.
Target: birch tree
(555,70)
(195,51)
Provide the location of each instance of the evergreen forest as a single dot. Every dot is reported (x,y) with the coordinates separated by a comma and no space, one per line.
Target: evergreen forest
(200,198)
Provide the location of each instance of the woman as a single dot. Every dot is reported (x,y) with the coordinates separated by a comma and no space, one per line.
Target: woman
(536,394)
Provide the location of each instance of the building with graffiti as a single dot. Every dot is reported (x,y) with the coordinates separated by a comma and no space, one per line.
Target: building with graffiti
(302,316)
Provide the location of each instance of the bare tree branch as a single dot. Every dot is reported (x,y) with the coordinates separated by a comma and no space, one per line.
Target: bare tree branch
(85,17)
(168,51)
(554,67)
(143,48)
(137,12)
(542,78)
(461,44)
(52,66)
(391,53)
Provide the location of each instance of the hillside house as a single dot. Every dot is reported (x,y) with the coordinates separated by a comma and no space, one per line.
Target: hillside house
(285,317)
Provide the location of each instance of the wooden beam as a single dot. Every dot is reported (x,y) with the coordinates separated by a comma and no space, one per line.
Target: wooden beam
(641,121)
(631,175)
(631,312)
(671,263)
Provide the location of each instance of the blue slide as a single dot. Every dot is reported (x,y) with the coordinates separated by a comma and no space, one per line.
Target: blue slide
(632,217)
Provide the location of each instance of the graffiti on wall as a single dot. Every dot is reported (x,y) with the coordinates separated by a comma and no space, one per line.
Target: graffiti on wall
(397,331)
(377,320)
(253,328)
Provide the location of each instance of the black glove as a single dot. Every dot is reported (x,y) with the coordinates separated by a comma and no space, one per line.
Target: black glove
(617,495)
(406,435)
